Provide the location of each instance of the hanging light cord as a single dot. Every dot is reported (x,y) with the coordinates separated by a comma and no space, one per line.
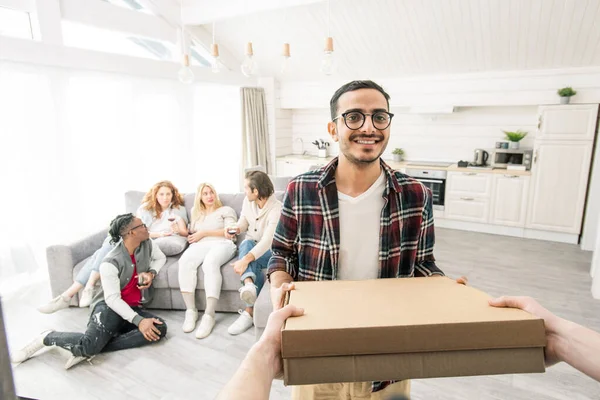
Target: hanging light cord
(213,32)
(328,18)
(182,27)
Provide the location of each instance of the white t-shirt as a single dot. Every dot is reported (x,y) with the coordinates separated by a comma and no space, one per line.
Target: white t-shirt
(359,232)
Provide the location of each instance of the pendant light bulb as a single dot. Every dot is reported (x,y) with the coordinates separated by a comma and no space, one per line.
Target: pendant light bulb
(185,73)
(215,65)
(249,66)
(285,58)
(328,64)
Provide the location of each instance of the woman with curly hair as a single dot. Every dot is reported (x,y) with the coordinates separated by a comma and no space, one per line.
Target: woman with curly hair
(210,248)
(164,214)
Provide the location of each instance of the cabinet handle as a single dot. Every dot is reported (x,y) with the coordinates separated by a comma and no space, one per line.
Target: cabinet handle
(511,176)
(539,123)
(535,156)
(467,198)
(469,173)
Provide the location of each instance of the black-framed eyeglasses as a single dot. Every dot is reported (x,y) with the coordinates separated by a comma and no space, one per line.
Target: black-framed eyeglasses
(138,226)
(356,119)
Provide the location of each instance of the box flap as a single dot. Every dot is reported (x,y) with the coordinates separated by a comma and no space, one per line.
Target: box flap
(408,315)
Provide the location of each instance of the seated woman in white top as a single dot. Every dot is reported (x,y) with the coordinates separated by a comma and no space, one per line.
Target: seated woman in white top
(163,213)
(209,248)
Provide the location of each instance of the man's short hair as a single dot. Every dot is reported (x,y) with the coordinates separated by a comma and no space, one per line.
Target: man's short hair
(350,87)
(260,181)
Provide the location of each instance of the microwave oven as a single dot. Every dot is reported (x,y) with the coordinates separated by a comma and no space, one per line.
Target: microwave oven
(502,158)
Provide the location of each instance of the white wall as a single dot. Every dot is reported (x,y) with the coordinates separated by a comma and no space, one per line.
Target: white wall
(592,210)
(511,88)
(446,138)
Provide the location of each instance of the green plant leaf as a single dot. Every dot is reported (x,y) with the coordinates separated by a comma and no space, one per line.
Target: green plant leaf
(515,136)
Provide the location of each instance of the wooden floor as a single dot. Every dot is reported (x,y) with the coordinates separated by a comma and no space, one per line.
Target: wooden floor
(185,368)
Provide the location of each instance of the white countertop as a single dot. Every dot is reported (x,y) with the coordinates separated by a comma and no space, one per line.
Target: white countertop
(405,164)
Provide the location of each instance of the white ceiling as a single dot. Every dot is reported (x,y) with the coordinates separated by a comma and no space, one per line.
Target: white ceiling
(397,38)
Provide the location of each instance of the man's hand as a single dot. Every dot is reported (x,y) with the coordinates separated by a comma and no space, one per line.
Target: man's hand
(278,294)
(150,332)
(148,279)
(240,266)
(195,237)
(551,322)
(270,341)
(462,280)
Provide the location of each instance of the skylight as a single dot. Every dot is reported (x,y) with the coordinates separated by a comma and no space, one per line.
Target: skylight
(130,4)
(15,23)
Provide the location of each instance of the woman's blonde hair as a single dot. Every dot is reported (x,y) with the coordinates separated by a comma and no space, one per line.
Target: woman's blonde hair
(199,209)
(151,204)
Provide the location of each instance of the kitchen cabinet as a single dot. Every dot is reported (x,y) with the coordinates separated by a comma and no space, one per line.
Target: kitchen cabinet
(470,184)
(567,122)
(559,186)
(466,208)
(290,166)
(468,196)
(509,202)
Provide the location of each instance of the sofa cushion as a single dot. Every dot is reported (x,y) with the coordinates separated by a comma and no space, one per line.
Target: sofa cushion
(171,245)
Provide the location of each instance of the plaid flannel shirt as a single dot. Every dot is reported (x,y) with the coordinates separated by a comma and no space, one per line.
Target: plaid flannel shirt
(306,244)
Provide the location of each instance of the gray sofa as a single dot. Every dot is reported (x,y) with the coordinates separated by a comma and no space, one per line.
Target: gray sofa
(65,261)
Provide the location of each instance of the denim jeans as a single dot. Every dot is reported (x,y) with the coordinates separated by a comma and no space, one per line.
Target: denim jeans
(93,264)
(106,331)
(255,268)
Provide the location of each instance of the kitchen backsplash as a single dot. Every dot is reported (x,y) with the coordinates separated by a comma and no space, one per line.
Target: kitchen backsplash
(444,138)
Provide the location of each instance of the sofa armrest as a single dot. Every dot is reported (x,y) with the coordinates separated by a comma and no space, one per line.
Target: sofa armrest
(62,259)
(262,309)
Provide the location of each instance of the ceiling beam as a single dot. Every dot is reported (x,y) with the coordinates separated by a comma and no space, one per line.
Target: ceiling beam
(200,12)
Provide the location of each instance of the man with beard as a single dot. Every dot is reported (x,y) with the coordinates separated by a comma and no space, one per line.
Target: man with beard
(355,218)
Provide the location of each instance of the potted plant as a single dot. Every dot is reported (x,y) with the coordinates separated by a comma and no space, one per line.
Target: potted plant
(565,94)
(398,154)
(322,147)
(515,138)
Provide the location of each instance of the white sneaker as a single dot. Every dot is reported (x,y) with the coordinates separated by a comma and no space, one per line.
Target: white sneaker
(74,360)
(242,324)
(191,317)
(87,295)
(248,293)
(207,323)
(28,351)
(57,303)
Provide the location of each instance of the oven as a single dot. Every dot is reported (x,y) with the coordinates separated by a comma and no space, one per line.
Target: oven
(435,180)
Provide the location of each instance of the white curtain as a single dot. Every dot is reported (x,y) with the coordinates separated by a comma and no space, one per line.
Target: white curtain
(72,142)
(255,129)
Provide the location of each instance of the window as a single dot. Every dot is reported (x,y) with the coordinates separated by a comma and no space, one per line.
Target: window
(199,55)
(15,23)
(130,4)
(92,38)
(74,146)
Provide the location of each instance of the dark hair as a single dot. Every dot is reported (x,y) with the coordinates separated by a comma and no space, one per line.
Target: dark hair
(260,181)
(350,87)
(118,226)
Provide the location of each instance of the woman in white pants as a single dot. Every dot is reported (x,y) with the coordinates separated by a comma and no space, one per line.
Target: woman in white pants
(210,248)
